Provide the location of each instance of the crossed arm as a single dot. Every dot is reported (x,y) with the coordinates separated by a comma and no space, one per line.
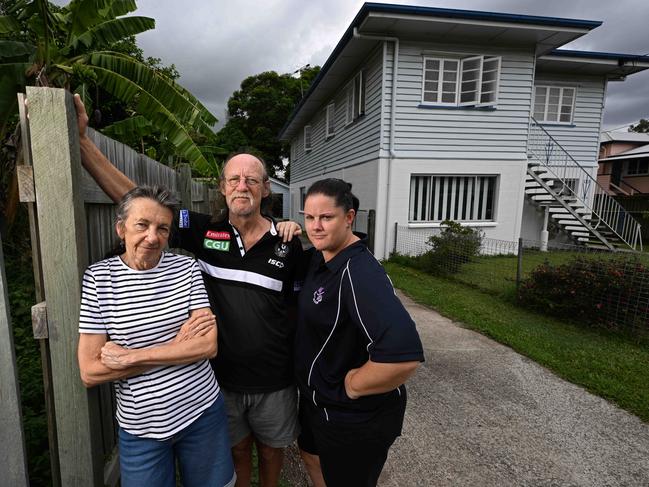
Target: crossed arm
(103,361)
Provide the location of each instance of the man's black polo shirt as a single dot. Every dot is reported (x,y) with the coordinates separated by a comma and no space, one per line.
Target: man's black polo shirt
(250,292)
(348,313)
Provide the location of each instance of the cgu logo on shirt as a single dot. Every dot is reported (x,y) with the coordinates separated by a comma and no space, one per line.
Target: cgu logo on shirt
(222,245)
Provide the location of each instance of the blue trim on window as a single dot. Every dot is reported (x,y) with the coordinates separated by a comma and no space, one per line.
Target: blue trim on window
(446,107)
(551,124)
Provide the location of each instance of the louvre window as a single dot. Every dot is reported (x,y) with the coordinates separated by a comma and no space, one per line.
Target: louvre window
(330,122)
(307,138)
(554,104)
(355,98)
(472,81)
(459,198)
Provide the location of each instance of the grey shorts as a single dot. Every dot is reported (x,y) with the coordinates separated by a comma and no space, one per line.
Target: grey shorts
(271,417)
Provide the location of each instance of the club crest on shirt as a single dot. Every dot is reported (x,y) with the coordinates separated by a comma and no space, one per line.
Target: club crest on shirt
(183,219)
(281,249)
(317,295)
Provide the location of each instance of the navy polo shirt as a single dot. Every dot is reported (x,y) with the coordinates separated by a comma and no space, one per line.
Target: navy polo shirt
(251,292)
(348,313)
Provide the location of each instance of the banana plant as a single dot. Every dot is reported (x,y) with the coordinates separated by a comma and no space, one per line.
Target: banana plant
(71,47)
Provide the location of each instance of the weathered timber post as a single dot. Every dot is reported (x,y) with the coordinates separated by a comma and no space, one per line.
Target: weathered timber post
(12,441)
(62,229)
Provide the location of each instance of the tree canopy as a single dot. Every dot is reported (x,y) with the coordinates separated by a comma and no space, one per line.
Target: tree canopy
(642,126)
(258,110)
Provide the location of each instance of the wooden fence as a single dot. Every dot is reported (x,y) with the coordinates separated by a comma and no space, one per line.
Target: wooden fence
(72,225)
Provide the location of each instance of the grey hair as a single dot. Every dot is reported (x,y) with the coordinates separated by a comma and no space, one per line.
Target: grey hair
(159,194)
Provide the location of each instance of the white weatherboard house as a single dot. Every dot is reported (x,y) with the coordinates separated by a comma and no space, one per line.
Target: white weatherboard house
(436,114)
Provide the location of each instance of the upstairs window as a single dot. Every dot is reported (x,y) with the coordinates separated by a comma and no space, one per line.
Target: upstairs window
(307,138)
(329,120)
(637,166)
(459,198)
(355,98)
(472,81)
(554,104)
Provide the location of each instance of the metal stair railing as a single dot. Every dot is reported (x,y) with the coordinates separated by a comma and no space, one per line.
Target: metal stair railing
(572,180)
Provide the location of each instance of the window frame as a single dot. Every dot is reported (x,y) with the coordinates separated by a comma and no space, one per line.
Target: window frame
(308,138)
(461,74)
(560,105)
(330,120)
(637,171)
(355,98)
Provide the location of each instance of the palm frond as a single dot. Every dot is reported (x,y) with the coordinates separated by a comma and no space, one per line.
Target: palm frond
(111,31)
(125,89)
(121,7)
(15,49)
(8,25)
(159,87)
(137,126)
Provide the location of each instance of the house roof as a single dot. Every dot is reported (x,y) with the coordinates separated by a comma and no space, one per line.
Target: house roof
(613,65)
(623,136)
(543,34)
(636,153)
(279,183)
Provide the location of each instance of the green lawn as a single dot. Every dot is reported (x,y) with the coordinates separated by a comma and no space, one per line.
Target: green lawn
(611,366)
(497,274)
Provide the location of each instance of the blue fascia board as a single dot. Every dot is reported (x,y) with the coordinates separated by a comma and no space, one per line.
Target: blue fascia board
(598,55)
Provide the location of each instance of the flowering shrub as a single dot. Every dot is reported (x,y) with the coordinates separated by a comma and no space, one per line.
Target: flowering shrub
(612,293)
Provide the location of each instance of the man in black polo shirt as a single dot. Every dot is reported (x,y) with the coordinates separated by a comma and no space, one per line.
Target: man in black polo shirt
(250,275)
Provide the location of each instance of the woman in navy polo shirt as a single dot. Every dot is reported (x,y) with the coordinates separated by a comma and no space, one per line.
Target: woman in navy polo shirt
(356,345)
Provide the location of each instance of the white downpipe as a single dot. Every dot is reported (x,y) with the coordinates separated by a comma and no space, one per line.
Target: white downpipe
(393,109)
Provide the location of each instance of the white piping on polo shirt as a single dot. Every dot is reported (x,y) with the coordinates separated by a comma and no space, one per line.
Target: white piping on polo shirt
(241,276)
(351,283)
(237,235)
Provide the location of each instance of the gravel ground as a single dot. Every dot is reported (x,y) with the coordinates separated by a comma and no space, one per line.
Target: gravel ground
(479,414)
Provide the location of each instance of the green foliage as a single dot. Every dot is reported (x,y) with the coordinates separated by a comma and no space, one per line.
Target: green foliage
(452,248)
(642,126)
(88,47)
(253,125)
(594,292)
(20,280)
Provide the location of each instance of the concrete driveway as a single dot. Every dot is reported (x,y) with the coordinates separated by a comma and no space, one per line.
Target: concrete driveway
(480,414)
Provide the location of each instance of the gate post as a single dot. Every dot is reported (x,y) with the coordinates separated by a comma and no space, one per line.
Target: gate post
(62,235)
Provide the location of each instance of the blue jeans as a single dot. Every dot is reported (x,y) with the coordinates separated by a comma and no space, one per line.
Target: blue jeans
(202,450)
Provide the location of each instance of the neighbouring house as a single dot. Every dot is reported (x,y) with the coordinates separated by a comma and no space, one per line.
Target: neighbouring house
(478,117)
(624,163)
(281,198)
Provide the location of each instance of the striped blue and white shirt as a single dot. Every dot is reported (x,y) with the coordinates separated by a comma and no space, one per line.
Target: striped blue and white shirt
(140,309)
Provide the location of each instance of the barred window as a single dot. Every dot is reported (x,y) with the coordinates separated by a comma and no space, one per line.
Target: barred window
(459,198)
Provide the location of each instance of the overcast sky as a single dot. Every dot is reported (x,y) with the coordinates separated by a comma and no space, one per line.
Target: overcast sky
(215,44)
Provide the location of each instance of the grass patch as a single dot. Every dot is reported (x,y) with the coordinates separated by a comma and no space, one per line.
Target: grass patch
(611,366)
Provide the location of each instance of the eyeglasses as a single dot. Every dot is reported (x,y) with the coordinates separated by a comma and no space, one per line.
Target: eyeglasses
(234,181)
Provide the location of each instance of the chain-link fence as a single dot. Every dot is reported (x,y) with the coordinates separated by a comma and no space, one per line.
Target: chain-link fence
(598,287)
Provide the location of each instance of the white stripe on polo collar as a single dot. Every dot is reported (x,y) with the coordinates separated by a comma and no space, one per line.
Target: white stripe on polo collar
(242,249)
(241,276)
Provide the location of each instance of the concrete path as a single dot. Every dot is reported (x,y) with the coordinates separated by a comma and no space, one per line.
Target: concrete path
(479,414)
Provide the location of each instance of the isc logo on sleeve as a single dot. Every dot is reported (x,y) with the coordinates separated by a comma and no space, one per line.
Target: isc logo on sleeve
(222,245)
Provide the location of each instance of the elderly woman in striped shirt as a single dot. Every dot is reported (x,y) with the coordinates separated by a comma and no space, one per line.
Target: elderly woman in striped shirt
(145,324)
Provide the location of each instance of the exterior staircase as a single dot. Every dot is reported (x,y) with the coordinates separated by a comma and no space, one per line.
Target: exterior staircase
(573,199)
